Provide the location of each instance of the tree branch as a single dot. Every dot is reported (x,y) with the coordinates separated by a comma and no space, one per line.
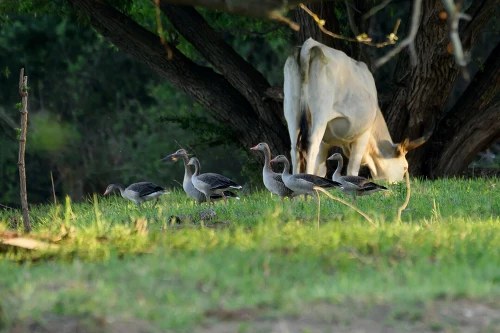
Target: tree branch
(454,16)
(408,41)
(267,9)
(243,76)
(209,89)
(309,28)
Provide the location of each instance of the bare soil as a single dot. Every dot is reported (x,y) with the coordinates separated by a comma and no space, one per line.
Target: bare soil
(443,316)
(462,316)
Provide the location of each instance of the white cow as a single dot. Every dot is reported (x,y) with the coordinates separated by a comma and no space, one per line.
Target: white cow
(331,100)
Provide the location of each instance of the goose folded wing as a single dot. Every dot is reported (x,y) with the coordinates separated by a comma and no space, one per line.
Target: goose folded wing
(277,178)
(355,180)
(217,182)
(146,188)
(318,181)
(369,186)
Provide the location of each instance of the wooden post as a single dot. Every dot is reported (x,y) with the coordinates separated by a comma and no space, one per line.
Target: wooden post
(23,91)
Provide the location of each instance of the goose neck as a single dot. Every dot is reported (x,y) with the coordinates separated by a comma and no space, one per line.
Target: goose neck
(187,170)
(197,167)
(338,171)
(267,158)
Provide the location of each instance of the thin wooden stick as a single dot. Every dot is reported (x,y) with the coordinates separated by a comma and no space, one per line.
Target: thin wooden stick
(408,188)
(23,91)
(53,189)
(345,203)
(359,39)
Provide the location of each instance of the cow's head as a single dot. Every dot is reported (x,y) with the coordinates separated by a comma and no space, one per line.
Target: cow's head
(392,165)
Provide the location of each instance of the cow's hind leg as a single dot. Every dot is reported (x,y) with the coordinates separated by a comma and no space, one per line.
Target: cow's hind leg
(291,106)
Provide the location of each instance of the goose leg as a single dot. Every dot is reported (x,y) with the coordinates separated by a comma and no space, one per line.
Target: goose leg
(208,198)
(156,202)
(224,198)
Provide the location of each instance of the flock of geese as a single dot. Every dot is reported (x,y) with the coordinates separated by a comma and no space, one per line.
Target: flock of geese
(208,187)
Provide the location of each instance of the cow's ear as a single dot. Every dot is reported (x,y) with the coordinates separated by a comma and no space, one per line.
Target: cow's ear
(401,148)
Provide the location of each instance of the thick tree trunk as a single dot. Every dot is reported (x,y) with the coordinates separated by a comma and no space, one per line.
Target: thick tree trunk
(226,104)
(422,91)
(472,125)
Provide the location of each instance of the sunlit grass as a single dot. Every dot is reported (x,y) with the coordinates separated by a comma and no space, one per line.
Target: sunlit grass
(115,260)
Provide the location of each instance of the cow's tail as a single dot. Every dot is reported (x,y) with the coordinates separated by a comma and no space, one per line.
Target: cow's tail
(305,115)
(303,137)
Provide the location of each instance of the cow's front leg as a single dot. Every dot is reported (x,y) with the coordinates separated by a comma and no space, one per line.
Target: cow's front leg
(317,132)
(358,149)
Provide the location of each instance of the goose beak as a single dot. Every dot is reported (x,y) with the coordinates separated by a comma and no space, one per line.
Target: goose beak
(273,160)
(255,148)
(330,158)
(170,159)
(106,193)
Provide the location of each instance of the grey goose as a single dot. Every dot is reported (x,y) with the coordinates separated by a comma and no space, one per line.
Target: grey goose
(210,183)
(272,180)
(187,183)
(303,183)
(139,192)
(353,185)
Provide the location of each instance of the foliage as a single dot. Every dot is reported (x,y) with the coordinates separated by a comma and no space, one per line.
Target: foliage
(95,114)
(257,254)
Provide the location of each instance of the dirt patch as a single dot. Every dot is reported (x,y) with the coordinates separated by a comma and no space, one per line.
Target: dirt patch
(442,316)
(69,324)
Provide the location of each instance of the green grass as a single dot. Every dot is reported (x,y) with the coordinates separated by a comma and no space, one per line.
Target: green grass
(115,261)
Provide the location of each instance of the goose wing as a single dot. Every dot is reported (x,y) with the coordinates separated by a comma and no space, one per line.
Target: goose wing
(357,181)
(145,188)
(370,186)
(217,181)
(317,181)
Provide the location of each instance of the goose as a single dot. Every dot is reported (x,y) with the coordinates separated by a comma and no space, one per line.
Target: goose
(139,192)
(210,183)
(187,183)
(302,183)
(354,185)
(272,180)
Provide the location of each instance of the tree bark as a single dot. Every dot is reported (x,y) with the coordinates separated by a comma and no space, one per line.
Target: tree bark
(475,115)
(23,91)
(420,92)
(208,88)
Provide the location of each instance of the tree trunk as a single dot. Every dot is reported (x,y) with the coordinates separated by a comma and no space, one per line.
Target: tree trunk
(421,92)
(472,125)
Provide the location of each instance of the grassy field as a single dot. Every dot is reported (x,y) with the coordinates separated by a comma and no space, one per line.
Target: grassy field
(260,266)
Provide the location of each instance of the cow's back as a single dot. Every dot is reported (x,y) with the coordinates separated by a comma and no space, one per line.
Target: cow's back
(346,74)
